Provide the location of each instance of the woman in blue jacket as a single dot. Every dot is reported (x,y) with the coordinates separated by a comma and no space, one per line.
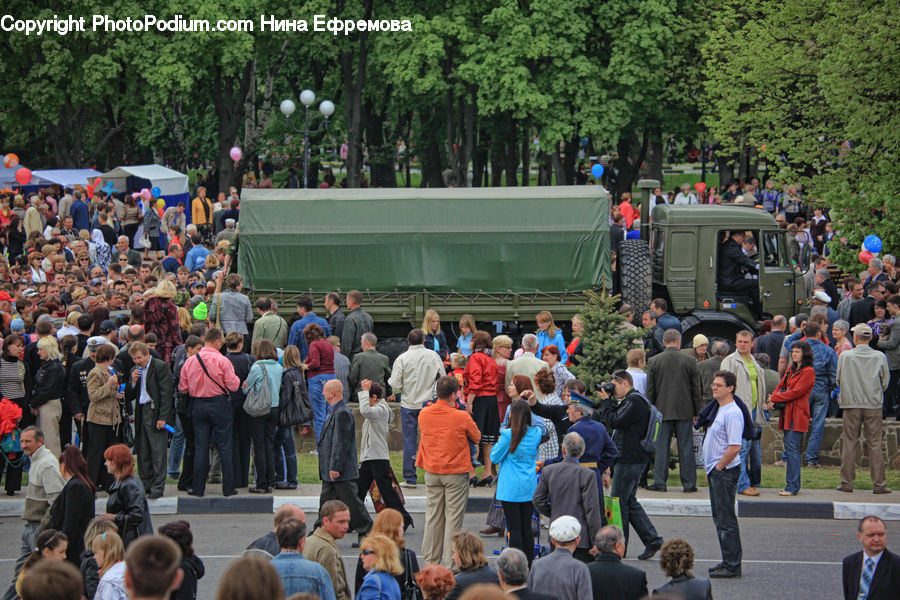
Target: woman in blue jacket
(381,558)
(548,334)
(516,454)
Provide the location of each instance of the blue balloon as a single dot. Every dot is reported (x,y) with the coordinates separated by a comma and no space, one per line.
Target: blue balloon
(872,243)
(156,192)
(597,170)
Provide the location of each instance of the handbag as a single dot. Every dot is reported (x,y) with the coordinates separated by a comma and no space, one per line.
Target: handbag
(10,443)
(125,433)
(258,402)
(613,511)
(295,409)
(145,241)
(410,589)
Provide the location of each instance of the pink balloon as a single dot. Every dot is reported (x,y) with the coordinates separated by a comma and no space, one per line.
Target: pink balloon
(23,176)
(865,256)
(145,194)
(235,153)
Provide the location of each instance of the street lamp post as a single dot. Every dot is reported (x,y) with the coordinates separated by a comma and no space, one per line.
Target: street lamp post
(326,107)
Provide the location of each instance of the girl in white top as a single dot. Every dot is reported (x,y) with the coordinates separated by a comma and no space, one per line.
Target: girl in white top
(109,552)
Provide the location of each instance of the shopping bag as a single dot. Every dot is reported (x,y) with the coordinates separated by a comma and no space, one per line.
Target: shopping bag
(613,511)
(375,493)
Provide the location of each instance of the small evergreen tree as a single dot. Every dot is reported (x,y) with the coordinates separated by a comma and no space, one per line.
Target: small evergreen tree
(605,340)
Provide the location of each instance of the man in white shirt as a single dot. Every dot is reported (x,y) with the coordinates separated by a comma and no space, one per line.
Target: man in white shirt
(151,390)
(637,360)
(721,449)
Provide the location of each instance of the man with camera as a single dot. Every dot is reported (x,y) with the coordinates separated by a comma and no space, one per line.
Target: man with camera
(629,419)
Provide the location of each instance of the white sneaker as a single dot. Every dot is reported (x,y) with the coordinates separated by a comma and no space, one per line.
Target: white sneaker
(406,484)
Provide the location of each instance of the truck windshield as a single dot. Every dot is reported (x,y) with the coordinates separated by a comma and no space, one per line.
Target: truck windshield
(774,249)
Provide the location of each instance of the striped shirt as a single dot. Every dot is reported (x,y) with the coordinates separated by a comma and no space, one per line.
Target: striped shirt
(12,379)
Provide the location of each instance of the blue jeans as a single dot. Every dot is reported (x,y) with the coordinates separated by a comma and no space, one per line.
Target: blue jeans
(792,458)
(317,399)
(285,456)
(409,422)
(624,487)
(176,448)
(722,490)
(818,410)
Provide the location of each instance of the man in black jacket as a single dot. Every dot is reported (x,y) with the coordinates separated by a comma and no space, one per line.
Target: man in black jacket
(629,419)
(873,572)
(610,578)
(512,572)
(732,265)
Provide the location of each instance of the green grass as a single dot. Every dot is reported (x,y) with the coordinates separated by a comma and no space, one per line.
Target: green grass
(826,478)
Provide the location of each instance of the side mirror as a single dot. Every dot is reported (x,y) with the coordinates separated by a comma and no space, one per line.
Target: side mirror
(805,253)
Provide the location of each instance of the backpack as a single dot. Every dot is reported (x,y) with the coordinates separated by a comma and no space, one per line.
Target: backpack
(259,399)
(648,442)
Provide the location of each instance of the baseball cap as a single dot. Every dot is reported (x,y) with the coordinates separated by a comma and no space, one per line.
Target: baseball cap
(699,340)
(4,297)
(199,284)
(565,529)
(17,325)
(96,341)
(107,326)
(96,281)
(861,329)
(29,293)
(822,297)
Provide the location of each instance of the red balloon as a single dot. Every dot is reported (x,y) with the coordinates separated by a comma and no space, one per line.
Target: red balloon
(865,256)
(90,191)
(23,176)
(700,186)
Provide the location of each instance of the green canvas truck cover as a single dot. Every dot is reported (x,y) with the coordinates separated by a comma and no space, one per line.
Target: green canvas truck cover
(467,240)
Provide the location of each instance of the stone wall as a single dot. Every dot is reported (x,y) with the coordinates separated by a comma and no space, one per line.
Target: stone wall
(306,443)
(830,454)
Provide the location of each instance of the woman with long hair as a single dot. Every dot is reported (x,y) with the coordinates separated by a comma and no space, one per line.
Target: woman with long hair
(292,382)
(549,334)
(161,318)
(502,351)
(242,422)
(793,391)
(466,331)
(50,545)
(676,559)
(191,565)
(103,416)
(109,552)
(434,337)
(265,371)
(49,389)
(126,505)
(380,557)
(481,398)
(90,571)
(390,523)
(516,453)
(575,349)
(73,509)
(471,563)
(13,372)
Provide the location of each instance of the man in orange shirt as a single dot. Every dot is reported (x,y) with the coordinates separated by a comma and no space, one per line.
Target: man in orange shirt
(444,455)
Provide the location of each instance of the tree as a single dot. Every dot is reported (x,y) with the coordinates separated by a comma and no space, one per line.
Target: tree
(606,338)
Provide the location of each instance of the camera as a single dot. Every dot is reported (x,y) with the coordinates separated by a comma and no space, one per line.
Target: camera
(609,387)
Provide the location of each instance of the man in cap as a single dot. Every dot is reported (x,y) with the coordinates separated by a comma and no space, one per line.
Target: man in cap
(109,330)
(574,493)
(559,573)
(863,375)
(820,298)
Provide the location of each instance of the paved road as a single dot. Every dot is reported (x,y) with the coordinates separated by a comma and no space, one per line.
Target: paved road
(803,556)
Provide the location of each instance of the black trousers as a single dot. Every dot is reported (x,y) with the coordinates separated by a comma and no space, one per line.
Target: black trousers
(518,523)
(212,425)
(14,473)
(345,491)
(186,479)
(263,433)
(100,437)
(241,444)
(379,471)
(65,426)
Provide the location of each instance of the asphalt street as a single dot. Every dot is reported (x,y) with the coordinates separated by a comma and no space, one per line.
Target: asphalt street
(800,559)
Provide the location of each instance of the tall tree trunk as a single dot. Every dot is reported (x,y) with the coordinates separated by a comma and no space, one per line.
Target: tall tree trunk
(559,167)
(526,156)
(229,98)
(512,154)
(653,167)
(381,153)
(353,67)
(631,154)
(545,168)
(479,160)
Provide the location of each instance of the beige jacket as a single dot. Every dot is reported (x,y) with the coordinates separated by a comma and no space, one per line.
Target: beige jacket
(863,376)
(414,374)
(104,406)
(744,389)
(44,484)
(321,548)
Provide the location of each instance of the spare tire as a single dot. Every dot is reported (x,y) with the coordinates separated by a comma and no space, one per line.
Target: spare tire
(635,275)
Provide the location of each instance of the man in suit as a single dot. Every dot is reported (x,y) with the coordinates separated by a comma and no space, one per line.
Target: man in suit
(512,571)
(369,364)
(673,386)
(528,364)
(150,388)
(610,578)
(863,310)
(338,468)
(733,264)
(874,572)
(874,272)
(574,493)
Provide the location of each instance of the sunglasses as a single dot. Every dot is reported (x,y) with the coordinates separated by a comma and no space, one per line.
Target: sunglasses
(367,552)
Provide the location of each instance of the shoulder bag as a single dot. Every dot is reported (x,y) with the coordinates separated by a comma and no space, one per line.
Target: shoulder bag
(410,589)
(295,409)
(259,399)
(218,385)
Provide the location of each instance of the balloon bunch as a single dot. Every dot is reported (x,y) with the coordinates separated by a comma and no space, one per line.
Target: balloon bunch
(871,247)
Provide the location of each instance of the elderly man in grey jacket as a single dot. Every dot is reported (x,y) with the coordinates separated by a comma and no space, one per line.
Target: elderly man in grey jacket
(862,375)
(374,456)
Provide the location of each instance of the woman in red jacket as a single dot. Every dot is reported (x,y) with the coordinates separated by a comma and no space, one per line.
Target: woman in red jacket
(480,379)
(794,391)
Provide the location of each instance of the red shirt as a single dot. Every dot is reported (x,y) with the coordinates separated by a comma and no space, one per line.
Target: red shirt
(320,358)
(481,375)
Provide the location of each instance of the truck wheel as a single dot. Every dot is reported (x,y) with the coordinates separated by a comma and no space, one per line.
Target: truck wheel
(634,271)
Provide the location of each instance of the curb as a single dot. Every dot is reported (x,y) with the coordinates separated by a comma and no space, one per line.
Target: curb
(655,507)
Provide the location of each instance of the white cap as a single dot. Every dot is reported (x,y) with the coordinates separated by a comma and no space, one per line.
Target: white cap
(565,529)
(822,297)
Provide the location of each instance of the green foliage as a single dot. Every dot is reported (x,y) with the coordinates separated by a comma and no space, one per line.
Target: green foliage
(606,338)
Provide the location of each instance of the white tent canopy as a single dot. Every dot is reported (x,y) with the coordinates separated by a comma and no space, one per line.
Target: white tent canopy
(128,179)
(8,177)
(65,177)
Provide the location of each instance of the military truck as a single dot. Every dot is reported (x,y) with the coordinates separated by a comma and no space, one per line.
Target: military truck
(501,254)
